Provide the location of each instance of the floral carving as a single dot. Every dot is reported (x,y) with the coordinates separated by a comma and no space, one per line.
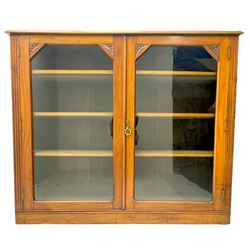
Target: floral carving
(140,49)
(35,48)
(108,48)
(214,51)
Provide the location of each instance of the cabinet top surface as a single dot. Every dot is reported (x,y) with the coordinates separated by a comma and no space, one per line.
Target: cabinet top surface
(155,32)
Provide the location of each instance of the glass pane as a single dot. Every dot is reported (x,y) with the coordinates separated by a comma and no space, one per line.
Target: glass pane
(68,133)
(188,178)
(73,178)
(72,57)
(72,123)
(178,94)
(175,110)
(76,93)
(175,134)
(187,58)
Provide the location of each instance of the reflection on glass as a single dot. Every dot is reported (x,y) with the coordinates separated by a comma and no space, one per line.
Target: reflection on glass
(177,94)
(179,58)
(73,157)
(175,105)
(175,134)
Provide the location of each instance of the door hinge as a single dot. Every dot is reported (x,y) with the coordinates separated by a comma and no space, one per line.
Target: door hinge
(223,194)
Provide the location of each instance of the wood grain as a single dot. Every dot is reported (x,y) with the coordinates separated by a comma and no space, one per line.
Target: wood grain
(130,116)
(53,217)
(119,107)
(221,126)
(73,39)
(73,206)
(17,127)
(179,40)
(232,82)
(170,206)
(23,147)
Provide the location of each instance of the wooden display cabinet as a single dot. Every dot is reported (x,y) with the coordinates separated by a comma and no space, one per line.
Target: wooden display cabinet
(123,127)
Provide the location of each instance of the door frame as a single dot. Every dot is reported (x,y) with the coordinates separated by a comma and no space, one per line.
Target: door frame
(224,122)
(22,47)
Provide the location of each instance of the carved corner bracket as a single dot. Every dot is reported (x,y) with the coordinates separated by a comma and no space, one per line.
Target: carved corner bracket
(108,48)
(35,48)
(214,51)
(140,49)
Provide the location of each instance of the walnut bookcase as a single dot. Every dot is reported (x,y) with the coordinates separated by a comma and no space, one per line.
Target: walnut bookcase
(123,127)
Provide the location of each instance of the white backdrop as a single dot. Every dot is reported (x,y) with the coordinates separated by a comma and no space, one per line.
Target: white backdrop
(127,15)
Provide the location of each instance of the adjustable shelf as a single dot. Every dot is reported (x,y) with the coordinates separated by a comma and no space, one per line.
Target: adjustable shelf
(71,72)
(139,153)
(80,153)
(176,115)
(175,153)
(74,114)
(175,72)
(109,72)
(139,114)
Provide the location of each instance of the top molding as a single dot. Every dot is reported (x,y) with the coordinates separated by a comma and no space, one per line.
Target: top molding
(154,32)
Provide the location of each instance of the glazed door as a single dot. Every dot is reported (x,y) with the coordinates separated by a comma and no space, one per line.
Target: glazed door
(175,97)
(78,143)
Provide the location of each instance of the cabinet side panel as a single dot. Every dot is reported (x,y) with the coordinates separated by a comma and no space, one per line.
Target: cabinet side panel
(22,121)
(220,145)
(233,61)
(15,64)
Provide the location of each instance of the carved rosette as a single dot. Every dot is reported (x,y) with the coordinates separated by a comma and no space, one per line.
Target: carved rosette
(213,50)
(108,48)
(140,49)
